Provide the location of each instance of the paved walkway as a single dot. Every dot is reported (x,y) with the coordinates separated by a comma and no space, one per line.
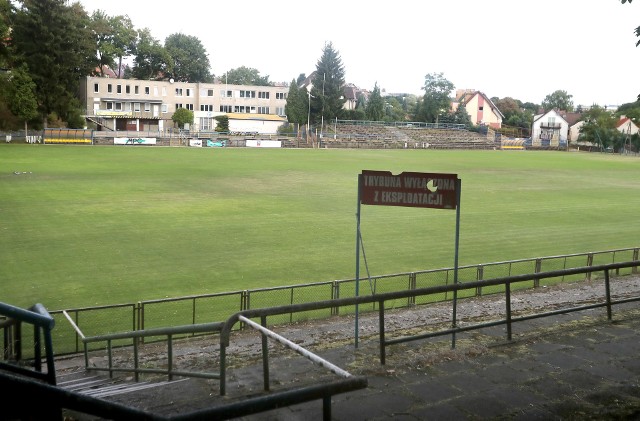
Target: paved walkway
(569,367)
(577,366)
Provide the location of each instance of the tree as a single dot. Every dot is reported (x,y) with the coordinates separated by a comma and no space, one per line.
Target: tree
(189,61)
(246,76)
(182,116)
(558,100)
(150,57)
(461,116)
(435,101)
(56,44)
(394,109)
(375,105)
(22,95)
(222,123)
(297,103)
(124,41)
(507,106)
(598,127)
(327,99)
(103,33)
(5,14)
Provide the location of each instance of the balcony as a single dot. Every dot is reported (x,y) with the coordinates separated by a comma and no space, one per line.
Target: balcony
(549,125)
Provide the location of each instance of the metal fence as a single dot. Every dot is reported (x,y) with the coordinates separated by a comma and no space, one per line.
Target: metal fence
(207,308)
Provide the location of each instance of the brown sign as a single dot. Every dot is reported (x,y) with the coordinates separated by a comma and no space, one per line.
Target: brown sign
(414,189)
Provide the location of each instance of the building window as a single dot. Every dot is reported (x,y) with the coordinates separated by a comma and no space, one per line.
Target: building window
(155,91)
(146,90)
(206,107)
(178,106)
(247,94)
(263,110)
(109,105)
(164,91)
(225,108)
(226,94)
(280,111)
(189,92)
(281,95)
(165,108)
(178,91)
(127,89)
(147,107)
(96,88)
(136,106)
(189,106)
(136,89)
(206,123)
(263,95)
(119,89)
(209,92)
(118,106)
(109,88)
(127,106)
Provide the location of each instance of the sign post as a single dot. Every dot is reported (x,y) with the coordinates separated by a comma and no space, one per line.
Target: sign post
(408,189)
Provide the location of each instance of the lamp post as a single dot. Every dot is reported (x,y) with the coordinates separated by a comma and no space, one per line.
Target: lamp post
(308,117)
(324,76)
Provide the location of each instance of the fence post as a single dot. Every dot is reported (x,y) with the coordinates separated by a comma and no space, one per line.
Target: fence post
(480,277)
(538,269)
(412,286)
(245,304)
(589,264)
(635,257)
(335,294)
(138,322)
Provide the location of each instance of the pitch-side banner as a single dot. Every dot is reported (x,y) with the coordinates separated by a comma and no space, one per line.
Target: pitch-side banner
(413,189)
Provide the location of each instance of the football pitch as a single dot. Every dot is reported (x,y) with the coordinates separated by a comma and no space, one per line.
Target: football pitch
(84,226)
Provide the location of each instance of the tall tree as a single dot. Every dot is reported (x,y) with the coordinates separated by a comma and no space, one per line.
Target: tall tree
(375,105)
(327,99)
(103,34)
(436,100)
(297,103)
(246,76)
(22,95)
(598,126)
(558,100)
(56,44)
(189,61)
(6,11)
(151,59)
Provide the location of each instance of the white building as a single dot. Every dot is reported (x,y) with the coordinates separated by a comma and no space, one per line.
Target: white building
(148,105)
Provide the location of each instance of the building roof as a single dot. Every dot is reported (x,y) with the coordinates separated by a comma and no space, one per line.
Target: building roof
(625,120)
(467,95)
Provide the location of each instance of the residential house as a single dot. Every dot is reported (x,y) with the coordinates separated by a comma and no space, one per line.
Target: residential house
(481,109)
(549,130)
(148,105)
(627,126)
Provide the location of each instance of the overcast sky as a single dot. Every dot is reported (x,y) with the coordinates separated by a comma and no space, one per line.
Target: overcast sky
(504,48)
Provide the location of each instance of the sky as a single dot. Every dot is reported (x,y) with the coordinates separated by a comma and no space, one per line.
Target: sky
(525,50)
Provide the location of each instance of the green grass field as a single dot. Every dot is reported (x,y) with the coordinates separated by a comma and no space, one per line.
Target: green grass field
(84,226)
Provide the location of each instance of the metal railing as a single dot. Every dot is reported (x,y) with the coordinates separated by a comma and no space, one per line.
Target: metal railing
(381,299)
(43,324)
(104,320)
